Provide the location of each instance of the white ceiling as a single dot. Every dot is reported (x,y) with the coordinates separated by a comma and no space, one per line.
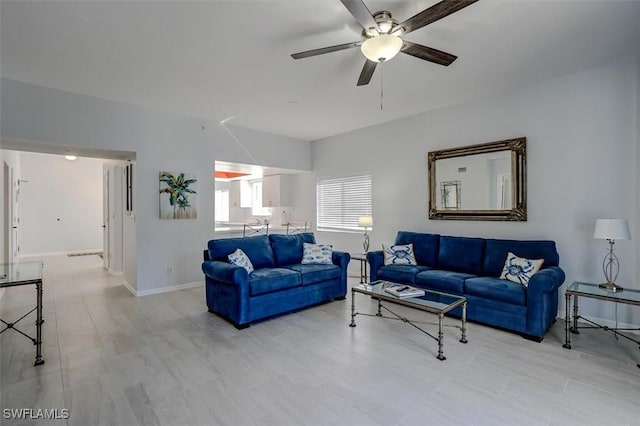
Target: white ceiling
(217,59)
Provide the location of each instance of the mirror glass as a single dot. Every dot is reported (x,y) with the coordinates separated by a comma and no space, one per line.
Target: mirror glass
(479,182)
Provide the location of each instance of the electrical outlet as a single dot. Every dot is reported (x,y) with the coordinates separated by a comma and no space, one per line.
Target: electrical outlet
(169,270)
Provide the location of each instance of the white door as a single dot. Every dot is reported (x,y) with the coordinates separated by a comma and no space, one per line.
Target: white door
(106,254)
(8,220)
(15,217)
(11,192)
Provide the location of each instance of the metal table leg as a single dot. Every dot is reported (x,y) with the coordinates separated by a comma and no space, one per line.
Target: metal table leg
(567,322)
(353,308)
(463,339)
(39,321)
(574,330)
(440,338)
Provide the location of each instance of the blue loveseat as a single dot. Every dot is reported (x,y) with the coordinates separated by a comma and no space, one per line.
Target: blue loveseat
(280,283)
(471,267)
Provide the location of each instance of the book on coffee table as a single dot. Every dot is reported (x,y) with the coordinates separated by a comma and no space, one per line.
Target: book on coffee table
(402,290)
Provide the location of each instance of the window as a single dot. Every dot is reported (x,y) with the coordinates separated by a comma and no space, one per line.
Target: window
(341,201)
(222,205)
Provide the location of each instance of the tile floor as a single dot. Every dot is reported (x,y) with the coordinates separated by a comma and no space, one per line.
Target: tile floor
(113,359)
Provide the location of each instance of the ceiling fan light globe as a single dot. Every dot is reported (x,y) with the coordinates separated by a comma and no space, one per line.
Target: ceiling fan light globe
(381,48)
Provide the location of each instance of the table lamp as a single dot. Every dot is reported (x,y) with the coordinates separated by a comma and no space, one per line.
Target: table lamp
(611,230)
(365,222)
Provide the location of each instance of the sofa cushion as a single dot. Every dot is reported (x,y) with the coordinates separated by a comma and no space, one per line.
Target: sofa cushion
(461,254)
(317,254)
(239,258)
(267,280)
(400,273)
(398,254)
(315,273)
(287,249)
(497,250)
(496,289)
(444,281)
(425,246)
(256,248)
(520,270)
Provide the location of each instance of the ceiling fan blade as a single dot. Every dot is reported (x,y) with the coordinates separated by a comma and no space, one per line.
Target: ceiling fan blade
(360,11)
(428,53)
(432,14)
(324,50)
(367,72)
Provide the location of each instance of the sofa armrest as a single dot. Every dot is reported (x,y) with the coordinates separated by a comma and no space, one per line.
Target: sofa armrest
(546,280)
(341,259)
(225,272)
(376,260)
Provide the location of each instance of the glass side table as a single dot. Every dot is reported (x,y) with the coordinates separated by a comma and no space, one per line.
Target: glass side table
(362,257)
(18,274)
(593,291)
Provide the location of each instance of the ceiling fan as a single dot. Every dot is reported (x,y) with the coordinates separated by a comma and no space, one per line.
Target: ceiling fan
(382,35)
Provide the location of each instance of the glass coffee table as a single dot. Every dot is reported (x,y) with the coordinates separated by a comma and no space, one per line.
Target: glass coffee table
(432,301)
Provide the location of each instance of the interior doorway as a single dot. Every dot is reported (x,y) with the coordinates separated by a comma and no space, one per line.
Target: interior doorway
(114,227)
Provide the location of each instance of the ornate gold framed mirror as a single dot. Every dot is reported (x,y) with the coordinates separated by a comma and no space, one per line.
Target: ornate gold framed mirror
(479,182)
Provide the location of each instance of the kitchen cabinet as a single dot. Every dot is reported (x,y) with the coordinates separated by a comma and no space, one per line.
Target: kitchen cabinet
(240,193)
(276,191)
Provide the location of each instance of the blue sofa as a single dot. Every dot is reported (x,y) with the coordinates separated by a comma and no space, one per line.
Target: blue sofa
(279,283)
(471,267)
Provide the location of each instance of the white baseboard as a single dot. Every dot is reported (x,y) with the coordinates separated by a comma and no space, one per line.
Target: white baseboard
(129,287)
(114,272)
(161,290)
(58,253)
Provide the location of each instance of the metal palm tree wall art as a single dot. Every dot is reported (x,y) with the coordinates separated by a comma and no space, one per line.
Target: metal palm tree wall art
(178,196)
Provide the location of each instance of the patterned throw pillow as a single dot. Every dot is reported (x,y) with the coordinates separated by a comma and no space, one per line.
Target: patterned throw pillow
(399,255)
(520,270)
(317,253)
(239,258)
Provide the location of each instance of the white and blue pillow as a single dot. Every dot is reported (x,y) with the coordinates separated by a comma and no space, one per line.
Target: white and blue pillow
(520,270)
(399,255)
(240,258)
(317,253)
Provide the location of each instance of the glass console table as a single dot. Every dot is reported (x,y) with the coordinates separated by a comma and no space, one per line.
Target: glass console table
(25,273)
(362,257)
(593,291)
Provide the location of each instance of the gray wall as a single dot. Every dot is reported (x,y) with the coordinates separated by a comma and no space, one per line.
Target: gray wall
(582,160)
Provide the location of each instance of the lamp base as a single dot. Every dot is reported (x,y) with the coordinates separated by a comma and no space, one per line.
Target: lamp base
(611,287)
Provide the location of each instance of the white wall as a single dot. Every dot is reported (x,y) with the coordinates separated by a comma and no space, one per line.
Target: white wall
(162,141)
(61,204)
(582,164)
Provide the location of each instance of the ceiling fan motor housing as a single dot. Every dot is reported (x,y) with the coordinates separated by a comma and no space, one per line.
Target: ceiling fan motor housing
(385,24)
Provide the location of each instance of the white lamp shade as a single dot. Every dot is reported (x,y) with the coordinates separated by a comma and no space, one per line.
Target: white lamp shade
(612,229)
(381,48)
(365,221)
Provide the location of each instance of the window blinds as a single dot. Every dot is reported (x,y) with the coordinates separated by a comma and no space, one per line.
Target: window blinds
(341,201)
